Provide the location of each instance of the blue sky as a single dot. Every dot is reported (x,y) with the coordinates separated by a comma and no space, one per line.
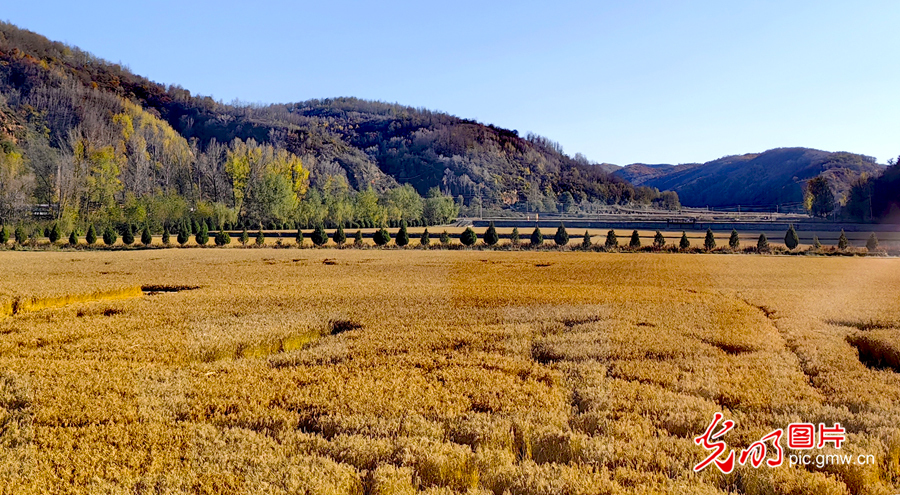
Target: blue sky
(620,82)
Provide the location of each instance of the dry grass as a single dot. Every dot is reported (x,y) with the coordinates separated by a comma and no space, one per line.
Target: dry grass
(438,372)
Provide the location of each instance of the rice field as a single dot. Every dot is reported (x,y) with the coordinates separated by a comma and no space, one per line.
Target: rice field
(363,371)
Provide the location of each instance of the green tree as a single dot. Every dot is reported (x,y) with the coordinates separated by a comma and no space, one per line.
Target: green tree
(586,240)
(635,241)
(146,237)
(245,237)
(222,238)
(299,237)
(4,235)
(202,235)
(358,238)
(709,243)
(128,235)
(21,235)
(261,238)
(490,235)
(109,236)
(166,235)
(73,238)
(561,237)
(843,243)
(468,237)
(514,237)
(762,244)
(659,241)
(445,238)
(791,240)
(425,240)
(402,235)
(872,243)
(54,234)
(612,241)
(339,237)
(734,241)
(819,200)
(381,237)
(319,237)
(91,236)
(438,208)
(183,235)
(537,238)
(684,243)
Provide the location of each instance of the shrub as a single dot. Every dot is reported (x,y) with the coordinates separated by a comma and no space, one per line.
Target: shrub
(586,240)
(872,243)
(734,241)
(299,237)
(514,237)
(319,237)
(791,240)
(445,238)
(561,238)
(202,236)
(381,237)
(537,238)
(73,238)
(612,241)
(684,243)
(245,237)
(54,233)
(816,243)
(358,238)
(166,236)
(4,235)
(91,236)
(490,235)
(709,243)
(468,237)
(109,236)
(222,238)
(146,238)
(659,241)
(183,234)
(762,244)
(339,237)
(402,235)
(635,241)
(842,241)
(425,240)
(21,236)
(261,238)
(128,235)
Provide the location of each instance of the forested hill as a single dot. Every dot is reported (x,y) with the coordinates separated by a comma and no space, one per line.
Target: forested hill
(92,140)
(773,177)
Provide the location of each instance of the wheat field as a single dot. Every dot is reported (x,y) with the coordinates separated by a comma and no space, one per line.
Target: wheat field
(362,371)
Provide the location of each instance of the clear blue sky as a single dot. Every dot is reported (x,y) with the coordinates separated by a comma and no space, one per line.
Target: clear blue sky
(620,82)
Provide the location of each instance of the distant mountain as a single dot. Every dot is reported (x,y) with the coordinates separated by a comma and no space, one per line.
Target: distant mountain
(773,177)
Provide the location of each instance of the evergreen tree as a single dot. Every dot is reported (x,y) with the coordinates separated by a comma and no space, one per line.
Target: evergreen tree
(91,236)
(490,235)
(73,238)
(425,240)
(358,238)
(183,235)
(635,241)
(561,237)
(4,235)
(109,236)
(734,241)
(54,234)
(298,238)
(586,240)
(445,238)
(791,240)
(195,228)
(245,237)
(202,235)
(709,243)
(381,237)
(46,231)
(762,245)
(146,237)
(684,243)
(222,238)
(127,235)
(872,243)
(514,237)
(612,241)
(468,237)
(21,236)
(339,237)
(537,238)
(319,237)
(402,235)
(842,241)
(166,236)
(816,243)
(659,241)
(261,237)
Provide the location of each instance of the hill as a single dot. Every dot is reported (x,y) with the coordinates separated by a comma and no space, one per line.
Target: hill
(765,179)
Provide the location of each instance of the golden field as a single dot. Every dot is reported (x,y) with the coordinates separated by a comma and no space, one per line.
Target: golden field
(363,371)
